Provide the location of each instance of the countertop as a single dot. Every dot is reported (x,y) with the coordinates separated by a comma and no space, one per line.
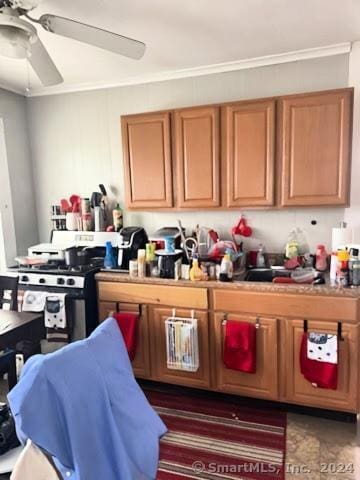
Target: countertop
(324,290)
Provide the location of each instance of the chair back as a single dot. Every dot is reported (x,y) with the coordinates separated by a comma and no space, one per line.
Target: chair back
(8,292)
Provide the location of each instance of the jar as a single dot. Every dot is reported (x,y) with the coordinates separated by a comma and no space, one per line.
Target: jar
(133,268)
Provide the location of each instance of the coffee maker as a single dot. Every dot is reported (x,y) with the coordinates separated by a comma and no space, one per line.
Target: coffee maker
(131,240)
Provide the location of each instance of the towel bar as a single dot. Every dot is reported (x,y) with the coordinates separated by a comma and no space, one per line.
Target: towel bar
(257,321)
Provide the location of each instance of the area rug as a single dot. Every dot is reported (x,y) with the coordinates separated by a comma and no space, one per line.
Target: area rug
(214,437)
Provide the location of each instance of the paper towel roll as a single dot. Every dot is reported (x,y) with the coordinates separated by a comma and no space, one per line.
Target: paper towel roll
(340,237)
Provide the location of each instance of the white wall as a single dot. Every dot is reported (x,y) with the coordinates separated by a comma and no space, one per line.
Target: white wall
(18,181)
(352,214)
(7,223)
(75,142)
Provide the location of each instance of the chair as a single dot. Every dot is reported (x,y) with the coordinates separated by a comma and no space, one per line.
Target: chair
(8,292)
(8,299)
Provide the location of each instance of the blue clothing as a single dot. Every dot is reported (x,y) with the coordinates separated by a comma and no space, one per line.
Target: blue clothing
(83,406)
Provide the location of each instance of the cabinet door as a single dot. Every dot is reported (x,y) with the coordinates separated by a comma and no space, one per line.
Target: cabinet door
(248,143)
(141,362)
(105,308)
(196,146)
(299,390)
(147,160)
(315,148)
(200,378)
(263,383)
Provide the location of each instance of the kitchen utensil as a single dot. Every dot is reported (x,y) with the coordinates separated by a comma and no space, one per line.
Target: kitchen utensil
(75,202)
(169,244)
(130,240)
(71,257)
(65,206)
(169,263)
(206,238)
(72,219)
(183,240)
(83,257)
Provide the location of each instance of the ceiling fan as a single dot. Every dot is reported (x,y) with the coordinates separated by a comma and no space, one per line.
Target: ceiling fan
(19,38)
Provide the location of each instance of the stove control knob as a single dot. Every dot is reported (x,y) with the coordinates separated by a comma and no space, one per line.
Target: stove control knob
(24,278)
(42,280)
(71,281)
(60,281)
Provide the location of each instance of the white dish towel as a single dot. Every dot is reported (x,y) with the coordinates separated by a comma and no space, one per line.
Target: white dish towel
(34,301)
(322,347)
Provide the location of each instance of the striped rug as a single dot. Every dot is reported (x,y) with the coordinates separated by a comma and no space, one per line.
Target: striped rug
(213,437)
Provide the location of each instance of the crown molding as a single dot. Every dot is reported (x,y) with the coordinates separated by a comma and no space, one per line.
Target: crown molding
(287,57)
(12,89)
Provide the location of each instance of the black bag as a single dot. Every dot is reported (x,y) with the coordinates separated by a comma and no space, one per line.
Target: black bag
(8,438)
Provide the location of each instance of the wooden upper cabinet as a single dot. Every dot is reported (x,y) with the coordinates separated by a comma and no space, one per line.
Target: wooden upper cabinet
(147,160)
(315,148)
(196,148)
(248,137)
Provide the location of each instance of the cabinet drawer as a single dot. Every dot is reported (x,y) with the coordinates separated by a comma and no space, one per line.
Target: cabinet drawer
(264,382)
(153,294)
(287,305)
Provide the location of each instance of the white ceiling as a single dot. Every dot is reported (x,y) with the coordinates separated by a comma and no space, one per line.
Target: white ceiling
(183,34)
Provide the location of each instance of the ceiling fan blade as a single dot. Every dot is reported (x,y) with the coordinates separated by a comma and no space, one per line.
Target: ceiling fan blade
(44,67)
(93,36)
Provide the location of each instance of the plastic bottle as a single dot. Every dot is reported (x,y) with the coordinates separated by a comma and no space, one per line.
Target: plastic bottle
(226,268)
(321,258)
(342,271)
(117,218)
(354,259)
(292,245)
(196,273)
(260,257)
(109,260)
(141,263)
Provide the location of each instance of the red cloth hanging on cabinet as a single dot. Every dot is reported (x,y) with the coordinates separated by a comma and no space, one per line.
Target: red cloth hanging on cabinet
(240,346)
(127,323)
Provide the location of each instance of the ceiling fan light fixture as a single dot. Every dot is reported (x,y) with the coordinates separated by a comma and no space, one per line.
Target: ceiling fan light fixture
(16,35)
(14,43)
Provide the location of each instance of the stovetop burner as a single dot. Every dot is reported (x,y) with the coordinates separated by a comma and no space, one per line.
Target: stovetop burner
(59,268)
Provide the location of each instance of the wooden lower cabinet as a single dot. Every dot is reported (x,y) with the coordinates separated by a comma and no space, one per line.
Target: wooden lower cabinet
(278,375)
(160,371)
(263,383)
(105,308)
(141,362)
(299,390)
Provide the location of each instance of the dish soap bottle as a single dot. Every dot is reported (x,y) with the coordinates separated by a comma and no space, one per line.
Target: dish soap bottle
(109,260)
(196,273)
(226,268)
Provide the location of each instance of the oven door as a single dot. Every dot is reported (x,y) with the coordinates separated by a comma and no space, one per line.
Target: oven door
(75,313)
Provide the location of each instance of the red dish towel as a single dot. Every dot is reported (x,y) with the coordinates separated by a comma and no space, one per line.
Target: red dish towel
(240,346)
(127,323)
(320,374)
